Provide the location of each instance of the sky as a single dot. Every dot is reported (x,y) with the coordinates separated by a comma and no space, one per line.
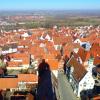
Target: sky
(49,4)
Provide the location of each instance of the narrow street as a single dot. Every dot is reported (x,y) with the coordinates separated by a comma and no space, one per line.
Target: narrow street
(65,90)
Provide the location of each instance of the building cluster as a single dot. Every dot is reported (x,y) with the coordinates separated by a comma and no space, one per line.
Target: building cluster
(27,17)
(78,47)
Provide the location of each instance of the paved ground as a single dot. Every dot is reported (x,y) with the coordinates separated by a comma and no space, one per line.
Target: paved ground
(45,87)
(65,90)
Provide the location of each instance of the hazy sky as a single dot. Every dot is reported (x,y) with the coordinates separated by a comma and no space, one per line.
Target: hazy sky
(48,4)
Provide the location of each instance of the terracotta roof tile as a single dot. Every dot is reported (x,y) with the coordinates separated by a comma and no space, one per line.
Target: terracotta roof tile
(79,69)
(48,56)
(62,39)
(96,60)
(95,49)
(8,83)
(13,64)
(84,55)
(53,63)
(18,55)
(68,48)
(13,82)
(27,77)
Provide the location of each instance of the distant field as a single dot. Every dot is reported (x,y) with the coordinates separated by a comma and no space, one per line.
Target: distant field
(74,21)
(49,22)
(59,18)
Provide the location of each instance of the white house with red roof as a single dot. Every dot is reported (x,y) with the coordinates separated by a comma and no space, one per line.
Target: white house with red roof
(79,78)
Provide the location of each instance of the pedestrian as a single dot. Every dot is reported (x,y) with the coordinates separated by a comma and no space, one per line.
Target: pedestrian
(64,67)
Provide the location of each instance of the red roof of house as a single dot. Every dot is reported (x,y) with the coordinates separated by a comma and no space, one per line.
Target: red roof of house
(79,69)
(53,63)
(95,49)
(13,82)
(69,48)
(27,77)
(83,54)
(96,60)
(18,59)
(13,64)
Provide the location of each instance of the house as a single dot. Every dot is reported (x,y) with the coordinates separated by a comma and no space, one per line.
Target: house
(96,60)
(86,45)
(96,76)
(22,81)
(60,39)
(79,78)
(25,35)
(86,58)
(10,48)
(69,48)
(95,49)
(57,43)
(78,41)
(18,61)
(46,36)
(53,63)
(83,54)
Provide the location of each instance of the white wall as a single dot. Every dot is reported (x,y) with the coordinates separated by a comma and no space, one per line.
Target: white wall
(57,46)
(86,83)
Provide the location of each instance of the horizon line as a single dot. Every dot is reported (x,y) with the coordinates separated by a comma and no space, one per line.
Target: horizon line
(46,9)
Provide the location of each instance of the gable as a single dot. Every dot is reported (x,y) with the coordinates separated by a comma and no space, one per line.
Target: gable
(79,69)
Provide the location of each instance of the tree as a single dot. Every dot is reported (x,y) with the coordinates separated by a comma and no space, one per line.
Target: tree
(2,64)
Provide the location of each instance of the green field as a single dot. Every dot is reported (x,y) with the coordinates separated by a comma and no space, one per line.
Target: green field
(70,21)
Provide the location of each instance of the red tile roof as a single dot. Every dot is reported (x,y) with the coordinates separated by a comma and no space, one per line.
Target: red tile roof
(83,54)
(68,48)
(95,49)
(79,69)
(27,78)
(96,60)
(13,82)
(13,64)
(53,63)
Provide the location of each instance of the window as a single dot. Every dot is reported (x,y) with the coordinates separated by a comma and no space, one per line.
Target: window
(72,69)
(84,84)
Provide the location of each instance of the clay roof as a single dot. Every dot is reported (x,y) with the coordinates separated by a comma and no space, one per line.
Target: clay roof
(58,40)
(48,56)
(8,83)
(27,77)
(96,60)
(79,69)
(83,54)
(53,63)
(68,48)
(36,51)
(13,82)
(96,97)
(23,50)
(95,49)
(18,55)
(13,64)
(18,59)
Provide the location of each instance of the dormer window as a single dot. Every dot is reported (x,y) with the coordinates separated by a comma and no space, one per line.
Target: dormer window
(79,60)
(72,69)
